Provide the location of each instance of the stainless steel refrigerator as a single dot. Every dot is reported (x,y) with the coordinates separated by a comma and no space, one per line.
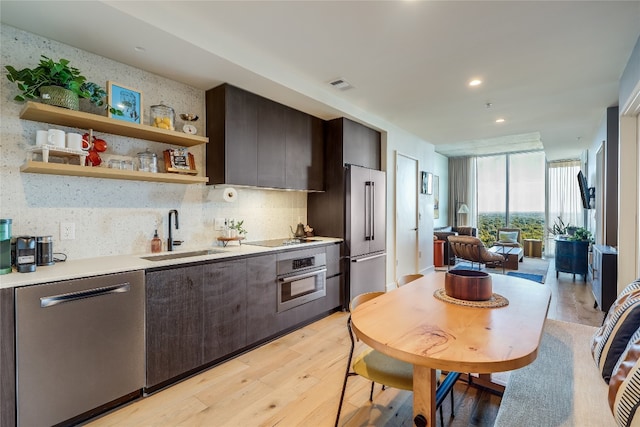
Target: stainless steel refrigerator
(365,231)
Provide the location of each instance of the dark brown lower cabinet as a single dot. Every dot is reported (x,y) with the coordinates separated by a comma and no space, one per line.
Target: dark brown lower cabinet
(174,322)
(7,359)
(225,308)
(200,314)
(261,298)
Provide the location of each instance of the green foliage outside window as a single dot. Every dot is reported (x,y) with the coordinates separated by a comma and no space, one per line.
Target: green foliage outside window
(531,224)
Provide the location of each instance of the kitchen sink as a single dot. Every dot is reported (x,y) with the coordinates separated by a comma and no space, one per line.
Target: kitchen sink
(181,255)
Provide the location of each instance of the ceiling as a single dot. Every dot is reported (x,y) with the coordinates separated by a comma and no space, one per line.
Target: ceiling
(549,68)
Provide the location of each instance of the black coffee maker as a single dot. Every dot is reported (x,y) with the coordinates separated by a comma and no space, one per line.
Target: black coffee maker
(25,254)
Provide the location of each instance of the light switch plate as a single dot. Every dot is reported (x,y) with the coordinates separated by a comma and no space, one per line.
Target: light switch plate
(218,224)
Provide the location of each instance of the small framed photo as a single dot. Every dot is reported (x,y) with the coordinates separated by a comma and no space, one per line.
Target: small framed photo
(179,160)
(126,99)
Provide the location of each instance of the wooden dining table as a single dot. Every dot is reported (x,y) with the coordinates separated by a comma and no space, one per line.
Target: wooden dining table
(411,324)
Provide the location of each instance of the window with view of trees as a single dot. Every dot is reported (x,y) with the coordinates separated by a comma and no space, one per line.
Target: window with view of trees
(511,193)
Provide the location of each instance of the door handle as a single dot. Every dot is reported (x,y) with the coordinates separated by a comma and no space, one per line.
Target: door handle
(74,296)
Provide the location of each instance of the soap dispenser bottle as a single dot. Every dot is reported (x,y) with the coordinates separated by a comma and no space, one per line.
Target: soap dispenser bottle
(156,243)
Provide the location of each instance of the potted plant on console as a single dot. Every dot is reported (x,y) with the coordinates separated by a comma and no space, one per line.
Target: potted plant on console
(57,83)
(572,252)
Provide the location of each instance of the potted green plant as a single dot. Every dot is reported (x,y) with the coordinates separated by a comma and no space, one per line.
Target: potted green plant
(57,83)
(559,228)
(581,234)
(237,228)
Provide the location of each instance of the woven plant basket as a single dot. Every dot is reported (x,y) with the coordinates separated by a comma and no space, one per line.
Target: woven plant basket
(60,97)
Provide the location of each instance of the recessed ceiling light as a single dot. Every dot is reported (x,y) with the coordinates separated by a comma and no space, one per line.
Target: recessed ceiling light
(475,82)
(499,120)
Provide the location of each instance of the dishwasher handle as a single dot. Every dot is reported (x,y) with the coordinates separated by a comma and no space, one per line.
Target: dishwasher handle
(89,293)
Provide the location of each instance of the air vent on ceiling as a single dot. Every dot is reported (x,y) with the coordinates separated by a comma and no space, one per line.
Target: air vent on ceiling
(341,84)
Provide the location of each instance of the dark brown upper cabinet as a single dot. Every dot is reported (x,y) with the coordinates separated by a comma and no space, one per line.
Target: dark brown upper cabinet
(256,142)
(347,142)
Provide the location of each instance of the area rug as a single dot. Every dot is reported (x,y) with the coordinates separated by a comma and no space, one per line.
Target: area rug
(535,277)
(529,266)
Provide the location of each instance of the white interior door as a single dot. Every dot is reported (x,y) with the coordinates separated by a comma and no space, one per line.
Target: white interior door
(406,215)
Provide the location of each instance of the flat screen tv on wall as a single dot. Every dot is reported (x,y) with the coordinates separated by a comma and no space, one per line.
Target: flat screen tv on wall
(584,190)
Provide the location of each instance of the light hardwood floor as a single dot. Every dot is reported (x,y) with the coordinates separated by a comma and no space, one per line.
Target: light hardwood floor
(296,381)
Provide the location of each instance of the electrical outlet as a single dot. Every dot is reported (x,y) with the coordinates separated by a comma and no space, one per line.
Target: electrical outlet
(67,231)
(218,224)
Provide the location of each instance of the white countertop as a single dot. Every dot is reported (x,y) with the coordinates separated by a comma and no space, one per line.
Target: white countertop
(73,269)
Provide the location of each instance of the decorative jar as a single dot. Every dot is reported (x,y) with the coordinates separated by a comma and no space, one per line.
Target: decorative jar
(163,117)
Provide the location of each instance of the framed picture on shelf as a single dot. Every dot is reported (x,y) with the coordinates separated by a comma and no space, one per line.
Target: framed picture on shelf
(179,160)
(126,99)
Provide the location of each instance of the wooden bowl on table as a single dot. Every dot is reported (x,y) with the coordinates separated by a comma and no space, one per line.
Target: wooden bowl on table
(470,285)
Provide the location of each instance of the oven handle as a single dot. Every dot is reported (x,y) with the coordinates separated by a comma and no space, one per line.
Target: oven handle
(302,276)
(73,296)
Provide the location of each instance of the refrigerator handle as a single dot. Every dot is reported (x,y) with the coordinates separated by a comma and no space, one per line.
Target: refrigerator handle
(369,258)
(367,210)
(372,209)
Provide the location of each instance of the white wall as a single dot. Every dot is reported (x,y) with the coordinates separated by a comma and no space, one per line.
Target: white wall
(628,173)
(441,169)
(627,202)
(115,217)
(409,145)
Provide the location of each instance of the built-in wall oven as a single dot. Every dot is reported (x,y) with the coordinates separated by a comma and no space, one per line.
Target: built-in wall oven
(301,277)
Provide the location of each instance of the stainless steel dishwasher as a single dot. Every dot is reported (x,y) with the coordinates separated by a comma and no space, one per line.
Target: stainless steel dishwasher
(79,346)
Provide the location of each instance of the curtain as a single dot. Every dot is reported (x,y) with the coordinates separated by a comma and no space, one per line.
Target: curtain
(462,190)
(563,197)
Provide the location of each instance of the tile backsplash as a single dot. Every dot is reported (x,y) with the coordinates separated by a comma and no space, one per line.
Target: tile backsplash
(114,217)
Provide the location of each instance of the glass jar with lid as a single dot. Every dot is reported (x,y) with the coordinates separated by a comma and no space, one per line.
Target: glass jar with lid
(148,161)
(163,117)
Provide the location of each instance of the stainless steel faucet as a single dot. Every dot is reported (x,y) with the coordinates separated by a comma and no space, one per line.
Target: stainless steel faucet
(170,242)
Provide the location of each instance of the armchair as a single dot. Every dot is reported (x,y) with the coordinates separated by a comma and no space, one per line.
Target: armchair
(472,249)
(444,232)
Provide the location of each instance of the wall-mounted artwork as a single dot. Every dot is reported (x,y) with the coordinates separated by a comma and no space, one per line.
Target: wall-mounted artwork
(426,186)
(436,197)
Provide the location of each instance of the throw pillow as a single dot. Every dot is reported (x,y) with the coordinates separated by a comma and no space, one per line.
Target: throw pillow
(508,237)
(611,339)
(624,386)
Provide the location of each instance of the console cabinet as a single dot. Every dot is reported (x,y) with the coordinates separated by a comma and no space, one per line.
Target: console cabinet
(572,257)
(260,143)
(604,276)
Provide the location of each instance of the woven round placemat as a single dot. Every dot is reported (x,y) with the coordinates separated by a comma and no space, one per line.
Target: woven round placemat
(495,301)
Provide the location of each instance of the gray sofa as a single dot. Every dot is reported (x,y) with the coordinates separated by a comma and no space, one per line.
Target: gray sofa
(442,233)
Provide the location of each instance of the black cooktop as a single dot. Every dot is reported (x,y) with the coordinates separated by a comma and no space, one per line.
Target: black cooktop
(280,242)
